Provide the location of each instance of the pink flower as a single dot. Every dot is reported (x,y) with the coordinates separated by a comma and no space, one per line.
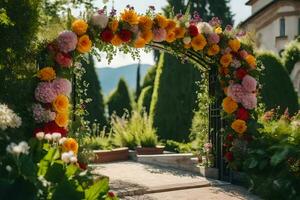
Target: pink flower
(64,60)
(236,92)
(213,38)
(100,20)
(249,101)
(44,92)
(67,41)
(159,34)
(40,114)
(62,86)
(249,83)
(243,53)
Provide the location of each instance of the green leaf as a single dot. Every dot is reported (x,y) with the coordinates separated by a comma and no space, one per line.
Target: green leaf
(98,189)
(55,172)
(67,190)
(253,163)
(71,170)
(279,156)
(27,167)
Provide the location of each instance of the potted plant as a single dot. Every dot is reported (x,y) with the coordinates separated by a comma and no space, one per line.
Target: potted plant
(148,144)
(206,162)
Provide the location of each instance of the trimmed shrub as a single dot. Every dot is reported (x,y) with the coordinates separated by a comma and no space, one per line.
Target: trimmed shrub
(291,55)
(119,100)
(277,88)
(145,99)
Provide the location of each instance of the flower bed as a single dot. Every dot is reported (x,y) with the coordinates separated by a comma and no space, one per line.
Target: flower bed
(104,156)
(150,150)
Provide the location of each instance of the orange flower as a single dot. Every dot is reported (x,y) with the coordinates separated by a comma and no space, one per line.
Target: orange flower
(239,126)
(147,36)
(226,59)
(187,46)
(198,42)
(61,104)
(84,44)
(130,16)
(223,70)
(234,44)
(113,25)
(213,50)
(62,119)
(70,144)
(161,21)
(116,41)
(229,105)
(79,26)
(225,89)
(251,60)
(46,74)
(170,37)
(145,23)
(179,32)
(139,43)
(171,25)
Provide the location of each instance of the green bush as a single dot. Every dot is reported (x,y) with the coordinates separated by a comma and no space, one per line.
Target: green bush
(178,147)
(119,100)
(102,142)
(291,55)
(145,99)
(277,88)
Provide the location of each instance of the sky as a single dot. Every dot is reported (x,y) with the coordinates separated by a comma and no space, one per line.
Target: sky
(238,7)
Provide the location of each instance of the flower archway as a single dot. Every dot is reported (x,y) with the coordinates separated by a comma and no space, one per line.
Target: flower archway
(205,44)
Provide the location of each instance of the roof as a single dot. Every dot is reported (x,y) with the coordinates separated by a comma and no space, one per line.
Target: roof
(250,2)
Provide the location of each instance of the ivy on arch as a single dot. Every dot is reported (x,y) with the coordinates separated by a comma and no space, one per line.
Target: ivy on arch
(218,52)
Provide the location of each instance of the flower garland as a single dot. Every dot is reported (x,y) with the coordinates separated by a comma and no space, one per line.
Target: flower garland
(107,32)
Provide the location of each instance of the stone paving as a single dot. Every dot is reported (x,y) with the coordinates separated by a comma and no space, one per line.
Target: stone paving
(136,181)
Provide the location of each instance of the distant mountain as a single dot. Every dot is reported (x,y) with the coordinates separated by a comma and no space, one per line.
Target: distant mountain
(109,77)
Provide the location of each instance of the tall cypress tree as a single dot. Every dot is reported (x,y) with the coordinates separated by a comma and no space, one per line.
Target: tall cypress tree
(96,107)
(138,80)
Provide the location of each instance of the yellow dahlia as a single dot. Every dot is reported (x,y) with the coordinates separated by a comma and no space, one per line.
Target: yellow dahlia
(84,44)
(130,16)
(79,26)
(46,74)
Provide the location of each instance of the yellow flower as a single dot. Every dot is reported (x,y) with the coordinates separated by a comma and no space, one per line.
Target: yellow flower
(145,23)
(139,43)
(234,44)
(70,144)
(239,126)
(46,74)
(213,50)
(61,104)
(171,25)
(62,119)
(198,42)
(171,37)
(84,44)
(251,60)
(161,21)
(179,32)
(226,59)
(79,26)
(113,25)
(130,16)
(218,30)
(147,36)
(229,105)
(116,41)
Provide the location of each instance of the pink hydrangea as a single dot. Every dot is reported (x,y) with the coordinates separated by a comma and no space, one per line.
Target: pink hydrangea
(249,101)
(67,41)
(40,114)
(213,38)
(236,92)
(159,34)
(62,86)
(249,83)
(44,92)
(64,60)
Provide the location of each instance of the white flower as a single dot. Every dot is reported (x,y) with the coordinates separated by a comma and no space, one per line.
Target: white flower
(48,137)
(56,136)
(62,140)
(40,135)
(187,40)
(24,147)
(15,149)
(205,27)
(8,119)
(69,157)
(8,168)
(187,24)
(100,20)
(73,159)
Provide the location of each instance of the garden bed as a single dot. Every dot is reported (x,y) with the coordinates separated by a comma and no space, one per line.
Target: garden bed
(104,156)
(150,150)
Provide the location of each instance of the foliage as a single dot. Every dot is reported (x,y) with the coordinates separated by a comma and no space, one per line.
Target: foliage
(291,55)
(150,77)
(119,100)
(173,99)
(138,82)
(178,147)
(144,101)
(102,142)
(273,162)
(95,108)
(277,89)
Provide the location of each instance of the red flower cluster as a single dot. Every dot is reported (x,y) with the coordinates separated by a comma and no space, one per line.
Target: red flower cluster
(125,35)
(240,73)
(242,114)
(52,127)
(193,30)
(107,35)
(229,156)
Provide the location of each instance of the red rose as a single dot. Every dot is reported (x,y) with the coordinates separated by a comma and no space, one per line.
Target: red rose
(193,30)
(52,127)
(229,137)
(240,73)
(125,35)
(63,59)
(107,35)
(242,114)
(229,156)
(111,194)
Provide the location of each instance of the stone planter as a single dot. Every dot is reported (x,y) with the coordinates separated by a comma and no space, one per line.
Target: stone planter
(209,172)
(104,156)
(149,150)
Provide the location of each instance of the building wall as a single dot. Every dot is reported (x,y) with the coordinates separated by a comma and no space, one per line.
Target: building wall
(259,4)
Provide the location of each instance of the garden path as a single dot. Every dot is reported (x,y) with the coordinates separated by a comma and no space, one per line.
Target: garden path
(136,181)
